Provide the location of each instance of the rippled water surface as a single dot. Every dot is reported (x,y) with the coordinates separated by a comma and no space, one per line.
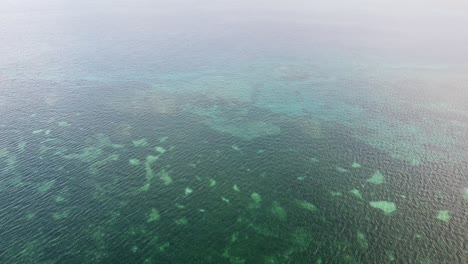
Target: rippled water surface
(233,132)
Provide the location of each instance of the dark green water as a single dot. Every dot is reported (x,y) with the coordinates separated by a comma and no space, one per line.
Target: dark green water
(232,133)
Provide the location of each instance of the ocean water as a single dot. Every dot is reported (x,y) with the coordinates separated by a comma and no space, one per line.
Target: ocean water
(233,132)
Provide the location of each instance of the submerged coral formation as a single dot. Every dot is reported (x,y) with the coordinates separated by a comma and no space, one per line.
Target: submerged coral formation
(188,191)
(160,149)
(443,215)
(165,177)
(306,205)
(212,183)
(97,154)
(150,160)
(140,143)
(9,159)
(182,221)
(134,162)
(153,216)
(278,211)
(362,240)
(357,193)
(385,206)
(256,200)
(46,186)
(149,172)
(377,178)
(341,169)
(334,193)
(63,124)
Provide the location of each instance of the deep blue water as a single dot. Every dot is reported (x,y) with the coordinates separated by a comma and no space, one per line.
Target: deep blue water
(196,132)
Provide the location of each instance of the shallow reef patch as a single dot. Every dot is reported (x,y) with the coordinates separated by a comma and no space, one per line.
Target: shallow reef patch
(306,205)
(377,178)
(153,215)
(357,193)
(443,215)
(362,240)
(279,212)
(140,143)
(385,206)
